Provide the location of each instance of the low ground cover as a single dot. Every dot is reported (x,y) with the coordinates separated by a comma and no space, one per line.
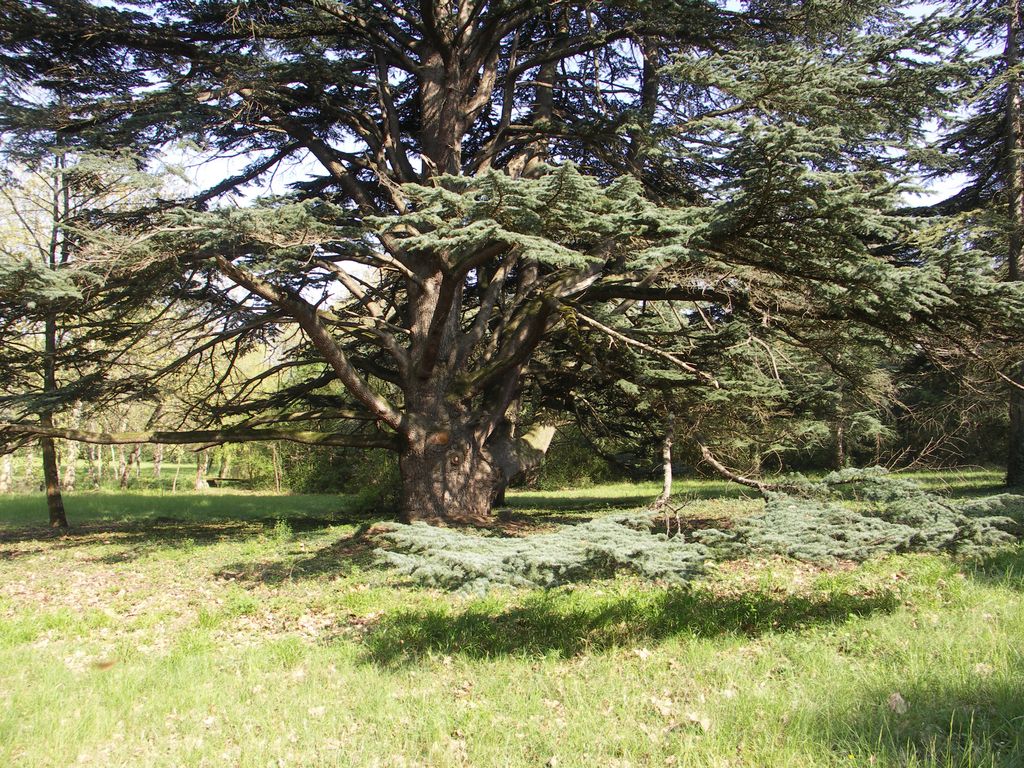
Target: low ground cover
(254,630)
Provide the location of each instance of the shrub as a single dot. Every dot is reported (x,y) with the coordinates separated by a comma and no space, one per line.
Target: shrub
(882,513)
(849,515)
(447,558)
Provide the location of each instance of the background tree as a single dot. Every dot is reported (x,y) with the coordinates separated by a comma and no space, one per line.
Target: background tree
(62,344)
(982,147)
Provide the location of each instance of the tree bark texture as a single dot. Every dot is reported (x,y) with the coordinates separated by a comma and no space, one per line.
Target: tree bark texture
(51,479)
(51,473)
(839,458)
(454,477)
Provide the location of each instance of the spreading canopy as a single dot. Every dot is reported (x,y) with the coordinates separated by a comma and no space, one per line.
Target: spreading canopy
(491,174)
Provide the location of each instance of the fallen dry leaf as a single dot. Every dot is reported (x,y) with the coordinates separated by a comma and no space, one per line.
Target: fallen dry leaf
(695,718)
(664,706)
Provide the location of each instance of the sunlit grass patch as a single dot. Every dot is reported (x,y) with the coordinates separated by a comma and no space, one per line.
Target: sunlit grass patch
(272,637)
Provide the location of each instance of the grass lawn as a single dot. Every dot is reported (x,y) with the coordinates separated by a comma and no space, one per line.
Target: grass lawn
(237,629)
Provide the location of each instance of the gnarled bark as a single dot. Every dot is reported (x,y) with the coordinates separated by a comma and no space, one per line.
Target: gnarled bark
(453,477)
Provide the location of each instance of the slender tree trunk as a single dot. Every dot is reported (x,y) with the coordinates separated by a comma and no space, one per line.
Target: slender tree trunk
(224,466)
(56,256)
(202,461)
(666,464)
(177,470)
(51,474)
(95,454)
(1015,158)
(51,477)
(6,473)
(158,463)
(123,467)
(276,462)
(839,457)
(133,459)
(90,461)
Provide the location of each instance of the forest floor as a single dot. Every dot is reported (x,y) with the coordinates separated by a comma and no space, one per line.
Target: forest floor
(240,629)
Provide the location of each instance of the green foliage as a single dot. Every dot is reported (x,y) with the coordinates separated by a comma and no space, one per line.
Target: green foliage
(446,558)
(849,515)
(370,475)
(571,463)
(893,515)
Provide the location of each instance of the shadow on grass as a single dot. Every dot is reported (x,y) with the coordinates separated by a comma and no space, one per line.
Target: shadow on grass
(975,722)
(581,501)
(567,623)
(137,539)
(86,509)
(574,505)
(336,559)
(1004,568)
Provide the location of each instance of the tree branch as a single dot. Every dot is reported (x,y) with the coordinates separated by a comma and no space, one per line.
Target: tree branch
(202,436)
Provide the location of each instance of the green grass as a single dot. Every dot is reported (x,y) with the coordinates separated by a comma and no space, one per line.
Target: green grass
(235,629)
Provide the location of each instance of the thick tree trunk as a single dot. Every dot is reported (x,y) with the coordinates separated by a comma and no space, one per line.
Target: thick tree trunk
(51,477)
(455,480)
(451,481)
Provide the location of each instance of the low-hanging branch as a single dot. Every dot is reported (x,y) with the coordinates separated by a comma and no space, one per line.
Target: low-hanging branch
(761,486)
(611,332)
(205,436)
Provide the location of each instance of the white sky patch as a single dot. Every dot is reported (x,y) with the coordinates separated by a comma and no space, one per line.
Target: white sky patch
(203,170)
